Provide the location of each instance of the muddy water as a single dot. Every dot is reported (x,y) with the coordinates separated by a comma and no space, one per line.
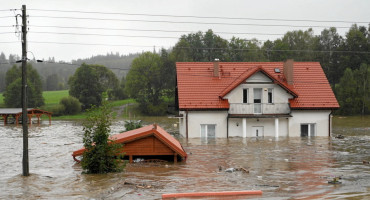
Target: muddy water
(287,168)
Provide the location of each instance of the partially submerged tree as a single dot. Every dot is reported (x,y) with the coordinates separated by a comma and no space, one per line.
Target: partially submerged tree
(102,155)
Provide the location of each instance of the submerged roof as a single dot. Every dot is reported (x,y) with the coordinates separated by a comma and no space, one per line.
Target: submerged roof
(146,131)
(199,89)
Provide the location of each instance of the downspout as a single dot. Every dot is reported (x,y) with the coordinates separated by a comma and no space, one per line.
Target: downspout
(227,126)
(187,136)
(331,112)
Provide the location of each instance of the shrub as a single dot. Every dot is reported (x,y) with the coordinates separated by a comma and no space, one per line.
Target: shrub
(58,110)
(131,125)
(71,105)
(102,155)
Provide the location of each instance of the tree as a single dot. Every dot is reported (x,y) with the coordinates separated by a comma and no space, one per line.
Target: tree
(102,155)
(52,82)
(89,82)
(12,96)
(146,83)
(328,43)
(13,82)
(353,91)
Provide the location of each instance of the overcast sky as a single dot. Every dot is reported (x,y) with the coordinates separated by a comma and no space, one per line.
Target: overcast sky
(136,33)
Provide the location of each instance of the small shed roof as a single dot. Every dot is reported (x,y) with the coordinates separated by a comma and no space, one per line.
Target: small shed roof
(144,132)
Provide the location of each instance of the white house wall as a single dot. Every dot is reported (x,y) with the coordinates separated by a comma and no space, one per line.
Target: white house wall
(196,118)
(236,126)
(318,117)
(280,95)
(287,126)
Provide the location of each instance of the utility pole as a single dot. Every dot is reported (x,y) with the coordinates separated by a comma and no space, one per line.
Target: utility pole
(25,163)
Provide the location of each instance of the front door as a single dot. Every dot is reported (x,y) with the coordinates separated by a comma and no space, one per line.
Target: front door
(257,131)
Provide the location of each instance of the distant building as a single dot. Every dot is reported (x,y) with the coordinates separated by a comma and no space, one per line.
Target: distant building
(253,99)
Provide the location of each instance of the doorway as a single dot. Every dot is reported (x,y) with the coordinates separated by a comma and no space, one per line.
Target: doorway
(257,131)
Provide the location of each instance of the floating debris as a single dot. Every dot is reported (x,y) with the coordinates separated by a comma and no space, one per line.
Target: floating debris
(230,170)
(339,136)
(335,181)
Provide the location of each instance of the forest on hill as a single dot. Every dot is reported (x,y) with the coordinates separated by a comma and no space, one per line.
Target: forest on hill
(55,75)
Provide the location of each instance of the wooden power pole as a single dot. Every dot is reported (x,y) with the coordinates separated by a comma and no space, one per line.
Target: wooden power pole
(25,163)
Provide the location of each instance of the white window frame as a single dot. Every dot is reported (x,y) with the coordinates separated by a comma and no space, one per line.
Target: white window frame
(206,130)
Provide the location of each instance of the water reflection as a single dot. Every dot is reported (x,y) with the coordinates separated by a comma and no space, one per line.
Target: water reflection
(284,168)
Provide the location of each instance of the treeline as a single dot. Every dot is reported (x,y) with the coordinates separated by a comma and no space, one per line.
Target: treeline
(55,75)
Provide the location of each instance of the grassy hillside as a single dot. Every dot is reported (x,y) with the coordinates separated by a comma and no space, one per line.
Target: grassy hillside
(53,97)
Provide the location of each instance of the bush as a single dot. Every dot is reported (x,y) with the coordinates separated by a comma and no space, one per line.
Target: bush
(71,105)
(58,110)
(131,125)
(102,155)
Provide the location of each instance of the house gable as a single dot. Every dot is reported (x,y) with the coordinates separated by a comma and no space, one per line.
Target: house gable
(258,77)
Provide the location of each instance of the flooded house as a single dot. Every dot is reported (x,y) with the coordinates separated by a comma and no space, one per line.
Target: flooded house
(254,99)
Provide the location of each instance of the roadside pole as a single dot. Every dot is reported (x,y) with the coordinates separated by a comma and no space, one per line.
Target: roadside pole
(25,163)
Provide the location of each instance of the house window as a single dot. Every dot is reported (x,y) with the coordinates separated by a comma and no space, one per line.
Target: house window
(245,95)
(308,130)
(208,130)
(257,100)
(270,96)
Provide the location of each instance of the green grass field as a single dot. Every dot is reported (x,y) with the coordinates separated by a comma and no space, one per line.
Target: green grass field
(53,97)
(1,100)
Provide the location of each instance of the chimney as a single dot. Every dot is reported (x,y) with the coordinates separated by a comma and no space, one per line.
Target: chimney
(216,68)
(288,71)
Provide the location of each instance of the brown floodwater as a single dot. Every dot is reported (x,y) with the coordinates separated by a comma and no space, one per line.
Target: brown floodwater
(294,168)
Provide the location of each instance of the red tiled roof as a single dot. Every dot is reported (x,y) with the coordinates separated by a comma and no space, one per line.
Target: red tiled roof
(199,89)
(143,132)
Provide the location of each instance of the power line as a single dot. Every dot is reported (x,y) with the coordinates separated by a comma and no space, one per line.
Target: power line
(199,17)
(206,48)
(187,22)
(9,41)
(97,34)
(90,44)
(147,30)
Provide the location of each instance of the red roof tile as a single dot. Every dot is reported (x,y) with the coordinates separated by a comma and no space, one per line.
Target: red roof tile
(143,132)
(199,89)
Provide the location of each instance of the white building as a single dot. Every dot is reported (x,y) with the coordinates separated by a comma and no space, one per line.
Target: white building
(226,99)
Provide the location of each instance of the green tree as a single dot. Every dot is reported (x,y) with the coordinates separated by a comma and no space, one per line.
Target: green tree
(329,42)
(102,155)
(89,82)
(52,82)
(353,91)
(13,98)
(13,81)
(145,83)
